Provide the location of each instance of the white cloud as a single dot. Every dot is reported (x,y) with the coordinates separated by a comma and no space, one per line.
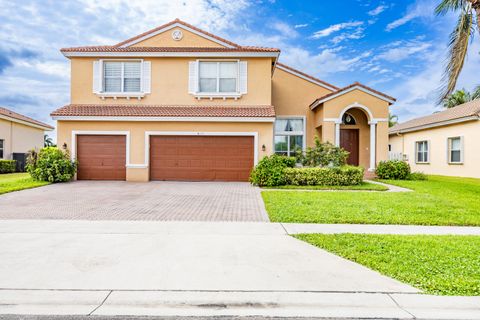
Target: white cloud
(335,28)
(303,25)
(357,34)
(284,29)
(377,10)
(401,50)
(421,9)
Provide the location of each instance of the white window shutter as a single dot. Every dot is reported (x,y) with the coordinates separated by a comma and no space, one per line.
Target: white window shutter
(97,76)
(243,77)
(192,77)
(147,77)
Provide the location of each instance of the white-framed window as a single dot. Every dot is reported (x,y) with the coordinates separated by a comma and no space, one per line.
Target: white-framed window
(2,144)
(122,76)
(218,76)
(422,152)
(455,150)
(289,135)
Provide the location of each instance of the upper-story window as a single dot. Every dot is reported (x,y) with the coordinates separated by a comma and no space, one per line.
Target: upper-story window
(122,76)
(216,77)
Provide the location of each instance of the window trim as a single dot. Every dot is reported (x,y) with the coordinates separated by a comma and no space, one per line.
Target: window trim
(235,94)
(428,152)
(136,94)
(449,150)
(291,133)
(2,148)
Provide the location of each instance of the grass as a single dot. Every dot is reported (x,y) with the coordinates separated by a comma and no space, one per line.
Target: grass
(363,186)
(442,265)
(18,181)
(437,201)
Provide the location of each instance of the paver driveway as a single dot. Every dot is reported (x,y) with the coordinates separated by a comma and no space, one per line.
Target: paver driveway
(112,200)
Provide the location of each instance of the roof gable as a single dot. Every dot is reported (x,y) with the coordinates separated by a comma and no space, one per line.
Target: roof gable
(10,115)
(162,37)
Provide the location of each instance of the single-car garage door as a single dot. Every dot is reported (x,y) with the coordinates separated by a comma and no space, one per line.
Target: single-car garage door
(101,157)
(201,158)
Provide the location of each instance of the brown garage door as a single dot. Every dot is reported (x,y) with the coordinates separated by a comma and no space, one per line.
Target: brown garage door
(201,158)
(101,157)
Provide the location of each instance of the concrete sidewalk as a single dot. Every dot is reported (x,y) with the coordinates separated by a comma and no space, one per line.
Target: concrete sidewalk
(338,305)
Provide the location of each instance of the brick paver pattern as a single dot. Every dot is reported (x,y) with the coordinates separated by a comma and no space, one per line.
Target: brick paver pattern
(156,200)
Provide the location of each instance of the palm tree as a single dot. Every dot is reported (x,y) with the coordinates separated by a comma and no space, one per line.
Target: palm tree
(459,39)
(47,141)
(460,97)
(392,120)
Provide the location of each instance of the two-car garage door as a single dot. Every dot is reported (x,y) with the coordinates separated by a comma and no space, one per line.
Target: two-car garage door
(194,158)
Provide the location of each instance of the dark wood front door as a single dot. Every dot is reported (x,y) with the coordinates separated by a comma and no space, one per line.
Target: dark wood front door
(101,157)
(201,158)
(349,141)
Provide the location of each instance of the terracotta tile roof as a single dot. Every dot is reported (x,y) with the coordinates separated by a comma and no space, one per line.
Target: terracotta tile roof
(118,48)
(18,116)
(464,111)
(103,110)
(166,49)
(355,84)
(172,23)
(306,75)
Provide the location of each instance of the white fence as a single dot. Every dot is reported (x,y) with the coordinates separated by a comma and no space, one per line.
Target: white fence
(396,156)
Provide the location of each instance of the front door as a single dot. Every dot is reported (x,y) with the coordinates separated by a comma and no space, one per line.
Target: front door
(349,142)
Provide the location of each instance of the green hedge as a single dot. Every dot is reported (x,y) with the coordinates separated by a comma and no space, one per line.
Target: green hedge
(8,166)
(51,164)
(269,171)
(339,176)
(393,169)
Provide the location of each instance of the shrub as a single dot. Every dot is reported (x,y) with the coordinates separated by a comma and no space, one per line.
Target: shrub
(270,171)
(8,166)
(417,176)
(323,155)
(51,164)
(339,176)
(393,169)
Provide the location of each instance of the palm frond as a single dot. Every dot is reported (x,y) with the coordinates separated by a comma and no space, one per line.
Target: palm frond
(458,47)
(450,5)
(476,93)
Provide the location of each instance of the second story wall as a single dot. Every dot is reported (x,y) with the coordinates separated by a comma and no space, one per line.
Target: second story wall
(170,83)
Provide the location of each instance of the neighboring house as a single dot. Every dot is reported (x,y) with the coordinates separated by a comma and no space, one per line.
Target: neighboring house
(444,143)
(179,103)
(19,133)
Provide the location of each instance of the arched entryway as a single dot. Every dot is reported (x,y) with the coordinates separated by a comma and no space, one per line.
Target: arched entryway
(355,132)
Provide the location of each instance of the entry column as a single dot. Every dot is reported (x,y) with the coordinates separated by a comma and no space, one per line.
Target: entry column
(373,142)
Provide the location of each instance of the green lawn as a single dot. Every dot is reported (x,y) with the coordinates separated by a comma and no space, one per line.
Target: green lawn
(363,186)
(443,265)
(18,181)
(437,201)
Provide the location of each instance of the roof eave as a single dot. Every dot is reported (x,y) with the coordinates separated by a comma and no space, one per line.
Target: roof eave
(435,125)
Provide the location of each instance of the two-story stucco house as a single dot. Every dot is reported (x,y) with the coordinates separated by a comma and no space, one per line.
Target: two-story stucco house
(179,103)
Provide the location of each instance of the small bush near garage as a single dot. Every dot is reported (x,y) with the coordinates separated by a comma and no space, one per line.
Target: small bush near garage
(7,166)
(51,164)
(270,171)
(323,155)
(340,176)
(393,169)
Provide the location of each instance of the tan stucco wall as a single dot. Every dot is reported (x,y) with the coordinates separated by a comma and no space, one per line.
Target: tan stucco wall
(19,138)
(292,96)
(378,107)
(165,39)
(438,149)
(169,84)
(137,135)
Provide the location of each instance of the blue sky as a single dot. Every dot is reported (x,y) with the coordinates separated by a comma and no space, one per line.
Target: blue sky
(398,47)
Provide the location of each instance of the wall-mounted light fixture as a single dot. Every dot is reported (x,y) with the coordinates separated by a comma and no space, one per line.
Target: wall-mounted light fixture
(264,148)
(64,146)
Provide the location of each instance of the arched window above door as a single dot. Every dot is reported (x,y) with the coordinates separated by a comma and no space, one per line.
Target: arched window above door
(348,119)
